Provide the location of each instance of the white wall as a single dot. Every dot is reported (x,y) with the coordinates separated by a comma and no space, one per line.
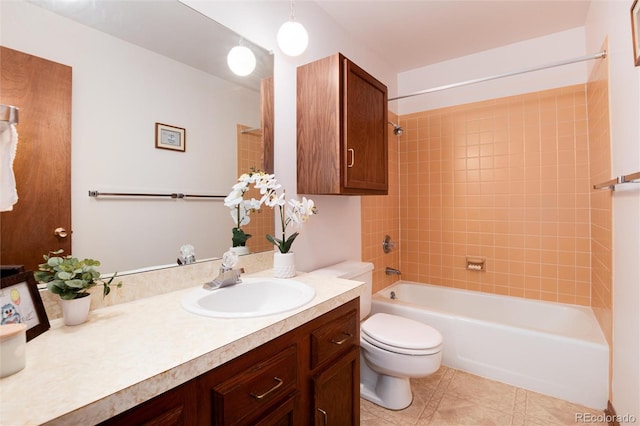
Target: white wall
(515,57)
(611,19)
(335,233)
(119,92)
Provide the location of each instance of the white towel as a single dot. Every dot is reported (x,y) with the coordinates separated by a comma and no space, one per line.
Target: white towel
(8,146)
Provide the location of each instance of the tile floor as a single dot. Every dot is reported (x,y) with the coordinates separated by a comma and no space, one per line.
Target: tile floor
(452,397)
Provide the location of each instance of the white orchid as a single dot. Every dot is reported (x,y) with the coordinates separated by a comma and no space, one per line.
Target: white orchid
(300,211)
(297,212)
(241,208)
(240,215)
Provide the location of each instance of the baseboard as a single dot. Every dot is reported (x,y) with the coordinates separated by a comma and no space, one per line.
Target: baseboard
(610,413)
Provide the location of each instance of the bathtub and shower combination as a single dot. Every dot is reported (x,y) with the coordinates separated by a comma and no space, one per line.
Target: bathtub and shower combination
(551,348)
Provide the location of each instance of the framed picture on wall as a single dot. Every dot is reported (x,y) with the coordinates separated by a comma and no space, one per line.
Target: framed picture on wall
(21,303)
(635,31)
(171,137)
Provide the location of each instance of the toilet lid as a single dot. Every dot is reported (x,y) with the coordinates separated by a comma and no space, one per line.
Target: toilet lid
(400,332)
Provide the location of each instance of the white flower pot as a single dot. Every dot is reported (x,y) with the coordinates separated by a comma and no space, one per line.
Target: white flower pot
(75,311)
(240,250)
(284,265)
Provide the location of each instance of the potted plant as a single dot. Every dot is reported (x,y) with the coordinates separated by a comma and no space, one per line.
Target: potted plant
(240,210)
(297,212)
(71,278)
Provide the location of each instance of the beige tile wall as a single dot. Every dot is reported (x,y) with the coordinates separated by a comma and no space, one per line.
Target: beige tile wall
(251,157)
(380,217)
(506,180)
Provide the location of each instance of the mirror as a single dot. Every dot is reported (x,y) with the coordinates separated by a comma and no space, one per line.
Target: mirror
(136,64)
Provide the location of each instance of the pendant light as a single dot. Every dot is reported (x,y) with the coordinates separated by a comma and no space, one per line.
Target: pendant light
(292,37)
(241,60)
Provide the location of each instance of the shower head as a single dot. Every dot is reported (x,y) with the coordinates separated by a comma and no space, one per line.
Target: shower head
(397,130)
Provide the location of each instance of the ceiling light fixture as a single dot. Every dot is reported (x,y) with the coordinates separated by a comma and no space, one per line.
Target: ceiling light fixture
(292,37)
(241,60)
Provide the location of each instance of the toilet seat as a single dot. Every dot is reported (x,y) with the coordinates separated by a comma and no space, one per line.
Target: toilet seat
(401,335)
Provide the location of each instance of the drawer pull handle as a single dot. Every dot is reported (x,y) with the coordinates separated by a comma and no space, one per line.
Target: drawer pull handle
(277,379)
(324,416)
(353,157)
(341,341)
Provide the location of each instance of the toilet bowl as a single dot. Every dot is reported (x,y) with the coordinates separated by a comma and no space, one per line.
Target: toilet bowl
(393,349)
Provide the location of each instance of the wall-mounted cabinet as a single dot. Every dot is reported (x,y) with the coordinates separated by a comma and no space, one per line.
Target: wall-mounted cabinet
(342,145)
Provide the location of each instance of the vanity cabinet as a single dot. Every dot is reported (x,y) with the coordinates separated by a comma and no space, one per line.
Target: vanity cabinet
(309,375)
(342,140)
(176,407)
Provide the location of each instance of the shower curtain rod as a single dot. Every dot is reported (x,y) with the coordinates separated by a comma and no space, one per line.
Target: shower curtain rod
(174,195)
(599,55)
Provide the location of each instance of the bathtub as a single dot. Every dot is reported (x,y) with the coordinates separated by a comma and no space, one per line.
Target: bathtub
(554,349)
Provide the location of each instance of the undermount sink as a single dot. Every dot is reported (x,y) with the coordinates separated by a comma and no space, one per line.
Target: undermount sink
(253,297)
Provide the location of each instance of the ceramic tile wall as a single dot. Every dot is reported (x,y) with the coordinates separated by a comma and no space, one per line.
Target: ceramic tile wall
(380,217)
(251,157)
(506,180)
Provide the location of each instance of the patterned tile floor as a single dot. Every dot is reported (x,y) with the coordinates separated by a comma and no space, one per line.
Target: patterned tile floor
(452,397)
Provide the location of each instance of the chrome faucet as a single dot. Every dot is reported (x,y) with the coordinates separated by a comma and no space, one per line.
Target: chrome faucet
(391,271)
(226,277)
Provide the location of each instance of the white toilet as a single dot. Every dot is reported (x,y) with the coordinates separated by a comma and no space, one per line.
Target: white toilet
(393,349)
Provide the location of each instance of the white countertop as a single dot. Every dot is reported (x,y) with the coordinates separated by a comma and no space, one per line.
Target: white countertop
(128,353)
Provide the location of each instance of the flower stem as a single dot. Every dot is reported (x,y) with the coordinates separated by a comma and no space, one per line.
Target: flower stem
(284,225)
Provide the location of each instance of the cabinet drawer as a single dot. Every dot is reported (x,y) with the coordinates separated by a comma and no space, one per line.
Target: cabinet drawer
(242,397)
(333,338)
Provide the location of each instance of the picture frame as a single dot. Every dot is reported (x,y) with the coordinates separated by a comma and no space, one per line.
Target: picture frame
(20,302)
(171,137)
(635,31)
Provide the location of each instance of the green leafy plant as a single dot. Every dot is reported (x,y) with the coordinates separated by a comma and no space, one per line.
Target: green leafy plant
(239,238)
(69,277)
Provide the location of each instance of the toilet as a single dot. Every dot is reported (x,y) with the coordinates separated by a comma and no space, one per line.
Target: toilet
(393,349)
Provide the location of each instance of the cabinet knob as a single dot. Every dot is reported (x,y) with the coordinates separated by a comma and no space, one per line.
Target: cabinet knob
(353,157)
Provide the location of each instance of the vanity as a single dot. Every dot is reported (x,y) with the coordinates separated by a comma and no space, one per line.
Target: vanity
(149,360)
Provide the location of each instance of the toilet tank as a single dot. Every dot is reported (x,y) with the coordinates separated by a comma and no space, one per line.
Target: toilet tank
(356,271)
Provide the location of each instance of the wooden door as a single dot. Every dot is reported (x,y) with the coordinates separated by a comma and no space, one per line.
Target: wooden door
(41,89)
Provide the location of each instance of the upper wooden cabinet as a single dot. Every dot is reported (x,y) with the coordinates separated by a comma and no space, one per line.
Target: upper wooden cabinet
(342,129)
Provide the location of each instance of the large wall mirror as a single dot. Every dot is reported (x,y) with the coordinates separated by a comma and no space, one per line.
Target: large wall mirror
(135,64)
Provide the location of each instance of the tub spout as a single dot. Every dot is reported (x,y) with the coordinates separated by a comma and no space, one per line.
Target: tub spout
(391,271)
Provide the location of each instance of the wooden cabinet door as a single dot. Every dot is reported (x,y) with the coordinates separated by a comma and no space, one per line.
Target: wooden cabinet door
(337,392)
(365,131)
(41,89)
(342,129)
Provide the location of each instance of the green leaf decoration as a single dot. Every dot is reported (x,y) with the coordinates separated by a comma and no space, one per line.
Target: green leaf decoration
(69,277)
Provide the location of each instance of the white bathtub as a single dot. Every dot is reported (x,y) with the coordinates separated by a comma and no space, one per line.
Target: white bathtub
(551,348)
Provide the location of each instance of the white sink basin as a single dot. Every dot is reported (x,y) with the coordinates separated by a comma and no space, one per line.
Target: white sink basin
(254,297)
